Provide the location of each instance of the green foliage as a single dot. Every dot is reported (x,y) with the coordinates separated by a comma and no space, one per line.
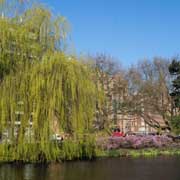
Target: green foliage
(27,37)
(175,123)
(81,148)
(42,90)
(174,70)
(55,89)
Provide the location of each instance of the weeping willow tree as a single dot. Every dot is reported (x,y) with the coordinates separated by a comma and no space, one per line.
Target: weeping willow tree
(41,87)
(55,89)
(26,37)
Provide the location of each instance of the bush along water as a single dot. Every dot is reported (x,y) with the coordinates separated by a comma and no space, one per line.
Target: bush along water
(134,142)
(136,146)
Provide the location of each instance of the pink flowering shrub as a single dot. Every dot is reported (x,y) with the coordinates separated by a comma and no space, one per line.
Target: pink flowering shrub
(136,142)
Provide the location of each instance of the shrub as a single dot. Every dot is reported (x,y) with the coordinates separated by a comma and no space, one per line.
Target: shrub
(135,142)
(175,123)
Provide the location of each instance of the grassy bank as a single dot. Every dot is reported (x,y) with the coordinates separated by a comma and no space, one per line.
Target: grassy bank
(72,151)
(136,153)
(88,148)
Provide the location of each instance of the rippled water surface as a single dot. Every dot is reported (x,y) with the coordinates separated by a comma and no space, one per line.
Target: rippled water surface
(105,169)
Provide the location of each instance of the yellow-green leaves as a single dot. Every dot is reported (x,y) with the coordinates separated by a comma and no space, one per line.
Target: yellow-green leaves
(54,89)
(42,91)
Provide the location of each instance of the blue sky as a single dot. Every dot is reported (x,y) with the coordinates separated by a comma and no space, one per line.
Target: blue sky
(129,30)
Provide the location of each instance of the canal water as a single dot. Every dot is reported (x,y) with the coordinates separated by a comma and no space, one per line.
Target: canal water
(166,168)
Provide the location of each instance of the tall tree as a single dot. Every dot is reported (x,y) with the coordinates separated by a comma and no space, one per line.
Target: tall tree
(148,91)
(105,67)
(174,70)
(39,85)
(27,40)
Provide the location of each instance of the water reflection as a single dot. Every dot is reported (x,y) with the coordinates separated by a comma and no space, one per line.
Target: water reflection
(106,169)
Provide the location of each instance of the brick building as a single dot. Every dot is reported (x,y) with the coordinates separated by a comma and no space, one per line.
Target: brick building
(117,94)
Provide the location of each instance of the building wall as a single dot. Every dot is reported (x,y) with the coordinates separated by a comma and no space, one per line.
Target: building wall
(117,91)
(133,123)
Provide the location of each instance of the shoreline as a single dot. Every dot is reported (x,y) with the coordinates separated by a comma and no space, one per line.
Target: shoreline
(138,153)
(118,153)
